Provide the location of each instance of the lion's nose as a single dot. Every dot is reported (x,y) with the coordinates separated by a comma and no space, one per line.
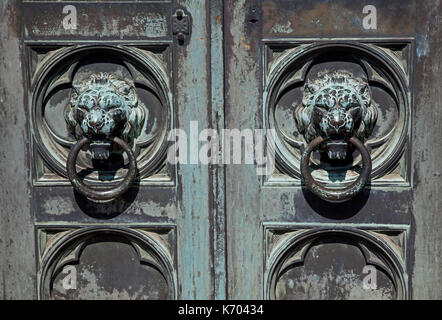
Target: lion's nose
(337,122)
(336,119)
(94,123)
(95,119)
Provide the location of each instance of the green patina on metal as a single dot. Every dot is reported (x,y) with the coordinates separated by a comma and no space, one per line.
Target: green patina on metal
(336,106)
(337,111)
(103,106)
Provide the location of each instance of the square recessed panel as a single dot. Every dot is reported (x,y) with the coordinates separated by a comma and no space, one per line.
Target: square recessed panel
(302,261)
(97,257)
(51,141)
(384,64)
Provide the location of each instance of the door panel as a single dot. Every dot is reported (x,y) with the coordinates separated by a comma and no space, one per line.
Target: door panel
(131,70)
(290,67)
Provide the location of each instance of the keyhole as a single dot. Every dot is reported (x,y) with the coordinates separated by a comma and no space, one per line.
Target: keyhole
(179,15)
(253,20)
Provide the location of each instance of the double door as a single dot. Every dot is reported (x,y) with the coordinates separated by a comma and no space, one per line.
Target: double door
(220,149)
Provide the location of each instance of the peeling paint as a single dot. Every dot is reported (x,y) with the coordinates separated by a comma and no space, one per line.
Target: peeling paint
(58,206)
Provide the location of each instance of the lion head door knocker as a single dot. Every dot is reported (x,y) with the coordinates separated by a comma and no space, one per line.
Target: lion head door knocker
(104,115)
(337,115)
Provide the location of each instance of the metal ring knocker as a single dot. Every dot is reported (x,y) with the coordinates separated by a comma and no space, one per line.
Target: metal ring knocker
(336,195)
(107,194)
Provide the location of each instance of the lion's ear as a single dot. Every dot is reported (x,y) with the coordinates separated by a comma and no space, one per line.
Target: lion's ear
(311,88)
(125,89)
(76,89)
(363,89)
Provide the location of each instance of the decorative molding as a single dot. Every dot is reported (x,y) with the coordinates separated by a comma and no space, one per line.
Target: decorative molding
(62,245)
(383,246)
(56,70)
(385,65)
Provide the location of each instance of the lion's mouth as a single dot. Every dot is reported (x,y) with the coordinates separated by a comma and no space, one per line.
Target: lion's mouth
(336,150)
(96,128)
(100,149)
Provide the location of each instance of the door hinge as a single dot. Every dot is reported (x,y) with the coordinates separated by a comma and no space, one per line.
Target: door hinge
(181,25)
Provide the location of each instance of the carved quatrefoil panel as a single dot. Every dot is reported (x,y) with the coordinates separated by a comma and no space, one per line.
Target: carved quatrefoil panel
(107,263)
(363,89)
(330,262)
(134,80)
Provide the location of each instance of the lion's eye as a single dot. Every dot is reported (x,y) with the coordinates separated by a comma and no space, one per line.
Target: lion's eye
(353,105)
(110,102)
(86,101)
(83,108)
(113,104)
(354,109)
(115,110)
(80,113)
(321,107)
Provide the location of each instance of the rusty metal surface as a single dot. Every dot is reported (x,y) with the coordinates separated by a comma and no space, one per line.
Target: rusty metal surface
(109,21)
(101,195)
(341,195)
(317,18)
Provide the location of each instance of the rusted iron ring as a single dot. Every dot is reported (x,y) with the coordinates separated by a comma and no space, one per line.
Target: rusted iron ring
(336,195)
(106,194)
